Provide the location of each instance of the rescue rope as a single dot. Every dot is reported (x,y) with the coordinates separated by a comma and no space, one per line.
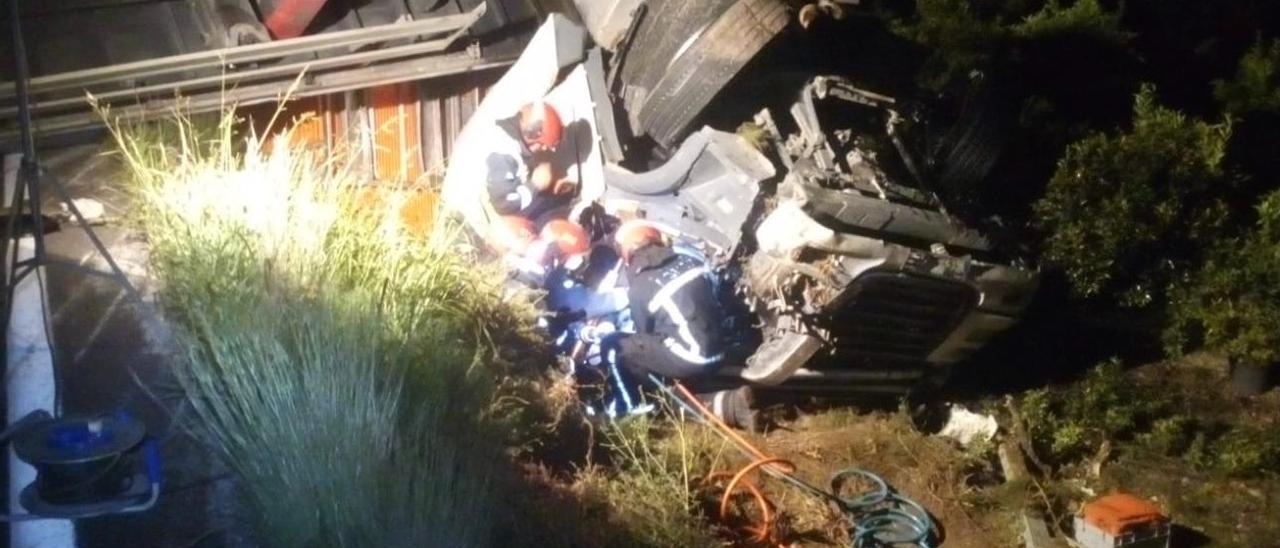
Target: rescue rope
(880,517)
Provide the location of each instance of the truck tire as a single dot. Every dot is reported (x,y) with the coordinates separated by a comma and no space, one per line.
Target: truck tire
(664,28)
(969,151)
(703,69)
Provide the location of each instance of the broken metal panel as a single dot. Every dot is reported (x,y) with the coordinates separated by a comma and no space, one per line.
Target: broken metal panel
(973,333)
(607,20)
(447,104)
(225,62)
(718,176)
(684,56)
(853,210)
(351,71)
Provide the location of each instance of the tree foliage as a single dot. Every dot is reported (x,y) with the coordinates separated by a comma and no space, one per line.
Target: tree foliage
(1081,17)
(1256,85)
(1233,304)
(1127,214)
(975,35)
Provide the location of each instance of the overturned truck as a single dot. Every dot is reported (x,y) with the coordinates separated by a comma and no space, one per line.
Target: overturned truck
(848,273)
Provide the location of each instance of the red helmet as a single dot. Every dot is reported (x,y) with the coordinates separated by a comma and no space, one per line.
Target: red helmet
(512,234)
(540,126)
(635,234)
(566,237)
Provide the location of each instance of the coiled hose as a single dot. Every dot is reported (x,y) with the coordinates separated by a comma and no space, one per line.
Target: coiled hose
(880,517)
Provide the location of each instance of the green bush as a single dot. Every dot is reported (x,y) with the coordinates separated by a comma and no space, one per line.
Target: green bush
(1067,425)
(1078,18)
(1248,450)
(1256,85)
(1233,304)
(961,35)
(1171,436)
(1127,214)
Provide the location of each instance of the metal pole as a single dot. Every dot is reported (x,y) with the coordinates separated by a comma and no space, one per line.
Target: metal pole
(28,170)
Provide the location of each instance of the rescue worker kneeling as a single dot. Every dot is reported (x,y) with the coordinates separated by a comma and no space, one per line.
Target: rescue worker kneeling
(673,307)
(523,177)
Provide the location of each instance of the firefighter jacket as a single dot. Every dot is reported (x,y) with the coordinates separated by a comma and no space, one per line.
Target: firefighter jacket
(676,315)
(507,174)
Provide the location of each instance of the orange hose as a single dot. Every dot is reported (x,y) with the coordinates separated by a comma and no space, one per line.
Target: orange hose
(764,527)
(716,421)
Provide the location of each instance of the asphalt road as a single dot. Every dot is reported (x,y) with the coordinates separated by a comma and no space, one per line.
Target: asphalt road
(107,350)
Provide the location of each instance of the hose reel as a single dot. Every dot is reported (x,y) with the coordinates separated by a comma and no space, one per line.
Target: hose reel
(87,466)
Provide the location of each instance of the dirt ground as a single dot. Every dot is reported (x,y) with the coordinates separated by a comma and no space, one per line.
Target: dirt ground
(932,471)
(1208,508)
(964,489)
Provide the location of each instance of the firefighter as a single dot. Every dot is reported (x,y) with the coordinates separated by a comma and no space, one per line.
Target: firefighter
(673,307)
(565,242)
(522,174)
(512,235)
(561,246)
(676,317)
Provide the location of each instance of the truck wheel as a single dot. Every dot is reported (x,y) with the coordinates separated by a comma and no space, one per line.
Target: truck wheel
(691,80)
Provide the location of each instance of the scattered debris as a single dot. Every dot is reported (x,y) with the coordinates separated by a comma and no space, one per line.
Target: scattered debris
(93,211)
(1122,520)
(967,427)
(1013,462)
(1035,532)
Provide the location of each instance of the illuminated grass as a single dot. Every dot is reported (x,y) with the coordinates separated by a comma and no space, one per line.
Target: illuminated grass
(335,358)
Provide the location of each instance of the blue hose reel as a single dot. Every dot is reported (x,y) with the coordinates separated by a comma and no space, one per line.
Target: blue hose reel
(87,466)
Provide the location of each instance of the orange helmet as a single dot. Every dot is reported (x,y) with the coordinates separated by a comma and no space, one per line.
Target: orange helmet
(512,233)
(635,234)
(566,237)
(540,126)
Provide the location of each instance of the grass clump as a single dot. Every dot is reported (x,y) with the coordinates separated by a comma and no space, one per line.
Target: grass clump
(335,360)
(658,487)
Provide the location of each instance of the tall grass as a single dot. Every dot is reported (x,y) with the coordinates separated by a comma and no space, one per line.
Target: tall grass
(657,492)
(334,357)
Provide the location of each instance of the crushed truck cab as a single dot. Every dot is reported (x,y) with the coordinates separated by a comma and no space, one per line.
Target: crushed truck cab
(849,275)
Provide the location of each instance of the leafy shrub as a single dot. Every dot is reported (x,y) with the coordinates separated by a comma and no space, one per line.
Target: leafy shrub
(1080,17)
(1256,85)
(1233,304)
(1171,436)
(1127,214)
(1248,450)
(960,34)
(1069,424)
